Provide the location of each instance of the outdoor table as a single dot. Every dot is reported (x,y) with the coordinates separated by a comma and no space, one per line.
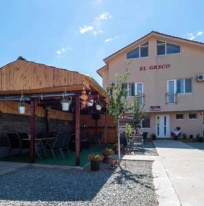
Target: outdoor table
(40,143)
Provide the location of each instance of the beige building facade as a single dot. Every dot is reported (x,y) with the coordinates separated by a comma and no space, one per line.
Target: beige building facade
(167,73)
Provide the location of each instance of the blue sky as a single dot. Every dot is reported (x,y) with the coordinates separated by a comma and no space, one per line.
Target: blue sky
(79,34)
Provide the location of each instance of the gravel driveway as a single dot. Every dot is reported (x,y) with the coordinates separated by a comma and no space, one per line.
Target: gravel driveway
(41,186)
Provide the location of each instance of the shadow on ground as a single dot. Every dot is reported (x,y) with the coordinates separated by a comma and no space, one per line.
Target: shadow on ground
(42,184)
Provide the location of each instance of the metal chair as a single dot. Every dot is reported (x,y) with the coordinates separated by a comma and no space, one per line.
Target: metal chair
(66,140)
(56,145)
(24,144)
(98,138)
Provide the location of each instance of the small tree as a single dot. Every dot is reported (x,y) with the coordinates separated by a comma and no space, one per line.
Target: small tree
(128,130)
(138,113)
(117,102)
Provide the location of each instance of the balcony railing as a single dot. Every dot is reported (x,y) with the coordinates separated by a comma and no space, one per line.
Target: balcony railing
(171,98)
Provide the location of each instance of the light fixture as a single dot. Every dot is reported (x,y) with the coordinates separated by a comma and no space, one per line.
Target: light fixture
(66,101)
(21,105)
(83,98)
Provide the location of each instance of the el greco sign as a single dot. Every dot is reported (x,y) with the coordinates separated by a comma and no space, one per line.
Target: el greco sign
(153,67)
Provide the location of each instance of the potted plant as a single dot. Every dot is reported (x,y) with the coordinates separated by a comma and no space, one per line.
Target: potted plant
(184,136)
(153,136)
(95,161)
(98,104)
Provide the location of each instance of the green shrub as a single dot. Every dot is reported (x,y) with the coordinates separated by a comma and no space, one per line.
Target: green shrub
(153,136)
(184,135)
(191,136)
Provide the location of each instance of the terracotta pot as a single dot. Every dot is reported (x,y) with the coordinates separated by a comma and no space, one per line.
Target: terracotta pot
(95,165)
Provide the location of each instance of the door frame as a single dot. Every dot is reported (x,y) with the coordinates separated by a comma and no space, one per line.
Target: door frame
(167,126)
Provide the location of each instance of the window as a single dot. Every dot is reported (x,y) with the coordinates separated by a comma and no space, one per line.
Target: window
(180,86)
(179,116)
(135,89)
(141,51)
(146,122)
(192,116)
(167,48)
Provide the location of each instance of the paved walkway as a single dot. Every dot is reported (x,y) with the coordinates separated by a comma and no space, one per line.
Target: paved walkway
(185,167)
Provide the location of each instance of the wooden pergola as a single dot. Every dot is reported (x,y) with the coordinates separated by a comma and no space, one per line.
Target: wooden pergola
(44,85)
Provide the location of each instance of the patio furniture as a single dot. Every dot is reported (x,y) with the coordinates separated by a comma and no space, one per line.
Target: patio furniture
(56,145)
(4,144)
(66,140)
(137,143)
(85,140)
(14,142)
(98,138)
(24,144)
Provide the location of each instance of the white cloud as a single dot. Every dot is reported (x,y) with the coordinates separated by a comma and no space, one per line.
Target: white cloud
(199,33)
(110,39)
(193,36)
(104,16)
(190,36)
(95,27)
(85,29)
(62,51)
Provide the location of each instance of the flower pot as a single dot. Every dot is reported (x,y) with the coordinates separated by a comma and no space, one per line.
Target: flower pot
(95,165)
(98,107)
(65,106)
(21,109)
(89,104)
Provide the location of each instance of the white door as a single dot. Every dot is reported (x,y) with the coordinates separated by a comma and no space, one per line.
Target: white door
(163,126)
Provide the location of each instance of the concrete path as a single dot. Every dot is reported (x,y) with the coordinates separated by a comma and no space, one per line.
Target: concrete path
(6,167)
(185,167)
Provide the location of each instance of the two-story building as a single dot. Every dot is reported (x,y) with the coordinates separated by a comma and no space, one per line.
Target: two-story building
(168,74)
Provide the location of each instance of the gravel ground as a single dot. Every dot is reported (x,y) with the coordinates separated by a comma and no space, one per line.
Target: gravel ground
(133,185)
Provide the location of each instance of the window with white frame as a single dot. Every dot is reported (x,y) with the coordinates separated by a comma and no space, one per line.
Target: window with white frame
(179,116)
(141,51)
(178,86)
(135,88)
(192,116)
(167,48)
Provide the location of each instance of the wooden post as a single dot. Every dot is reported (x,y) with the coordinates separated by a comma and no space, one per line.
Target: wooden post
(77,129)
(32,131)
(105,128)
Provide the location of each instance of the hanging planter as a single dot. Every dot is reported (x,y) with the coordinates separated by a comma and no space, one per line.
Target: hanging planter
(66,101)
(21,109)
(98,107)
(21,106)
(90,100)
(98,104)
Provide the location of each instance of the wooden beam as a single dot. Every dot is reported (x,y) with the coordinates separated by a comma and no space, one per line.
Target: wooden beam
(77,129)
(32,131)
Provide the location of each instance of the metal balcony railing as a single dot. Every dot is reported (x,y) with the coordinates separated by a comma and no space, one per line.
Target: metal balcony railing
(171,98)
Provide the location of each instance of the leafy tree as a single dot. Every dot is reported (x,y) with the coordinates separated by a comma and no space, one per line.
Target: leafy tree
(138,113)
(117,102)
